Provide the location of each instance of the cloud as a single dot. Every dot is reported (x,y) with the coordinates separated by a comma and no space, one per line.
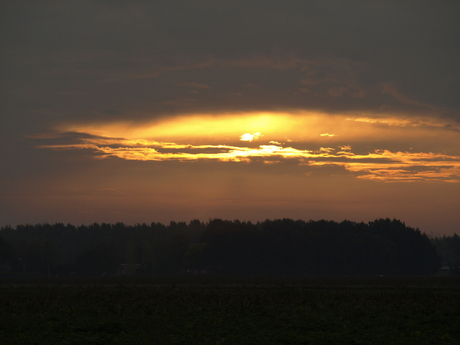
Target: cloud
(402,121)
(133,56)
(206,138)
(195,85)
(382,165)
(337,91)
(387,88)
(326,149)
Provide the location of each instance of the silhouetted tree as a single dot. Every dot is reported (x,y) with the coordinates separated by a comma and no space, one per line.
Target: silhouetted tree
(280,246)
(8,254)
(99,258)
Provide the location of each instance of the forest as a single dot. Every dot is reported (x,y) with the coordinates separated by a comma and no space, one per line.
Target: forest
(272,247)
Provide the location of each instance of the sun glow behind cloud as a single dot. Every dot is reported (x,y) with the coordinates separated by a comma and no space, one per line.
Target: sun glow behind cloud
(197,127)
(250,137)
(303,137)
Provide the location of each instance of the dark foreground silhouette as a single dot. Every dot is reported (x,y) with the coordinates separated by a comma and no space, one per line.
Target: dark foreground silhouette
(272,247)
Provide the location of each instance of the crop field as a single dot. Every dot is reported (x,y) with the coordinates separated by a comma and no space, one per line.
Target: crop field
(230,310)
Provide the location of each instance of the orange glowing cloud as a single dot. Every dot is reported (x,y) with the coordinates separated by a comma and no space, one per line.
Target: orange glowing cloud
(213,128)
(294,126)
(206,137)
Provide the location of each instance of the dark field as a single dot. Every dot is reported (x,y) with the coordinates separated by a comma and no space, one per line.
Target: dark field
(230,310)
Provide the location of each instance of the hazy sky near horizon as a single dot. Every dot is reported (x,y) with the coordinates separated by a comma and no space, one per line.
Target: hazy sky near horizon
(142,111)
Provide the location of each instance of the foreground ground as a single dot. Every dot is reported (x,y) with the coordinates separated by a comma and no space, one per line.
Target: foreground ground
(230,310)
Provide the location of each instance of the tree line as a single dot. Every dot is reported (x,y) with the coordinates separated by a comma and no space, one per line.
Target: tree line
(271,247)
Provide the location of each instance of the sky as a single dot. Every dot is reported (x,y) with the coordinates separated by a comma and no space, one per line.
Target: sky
(159,111)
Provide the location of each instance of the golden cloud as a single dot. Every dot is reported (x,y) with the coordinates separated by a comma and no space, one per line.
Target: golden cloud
(206,137)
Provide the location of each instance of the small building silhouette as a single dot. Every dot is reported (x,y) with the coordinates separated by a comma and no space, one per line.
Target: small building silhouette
(448,271)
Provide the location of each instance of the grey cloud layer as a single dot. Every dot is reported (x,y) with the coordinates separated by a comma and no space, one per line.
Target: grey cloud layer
(109,59)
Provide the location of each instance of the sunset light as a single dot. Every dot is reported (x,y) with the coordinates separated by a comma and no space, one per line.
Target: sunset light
(250,137)
(230,172)
(149,111)
(216,138)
